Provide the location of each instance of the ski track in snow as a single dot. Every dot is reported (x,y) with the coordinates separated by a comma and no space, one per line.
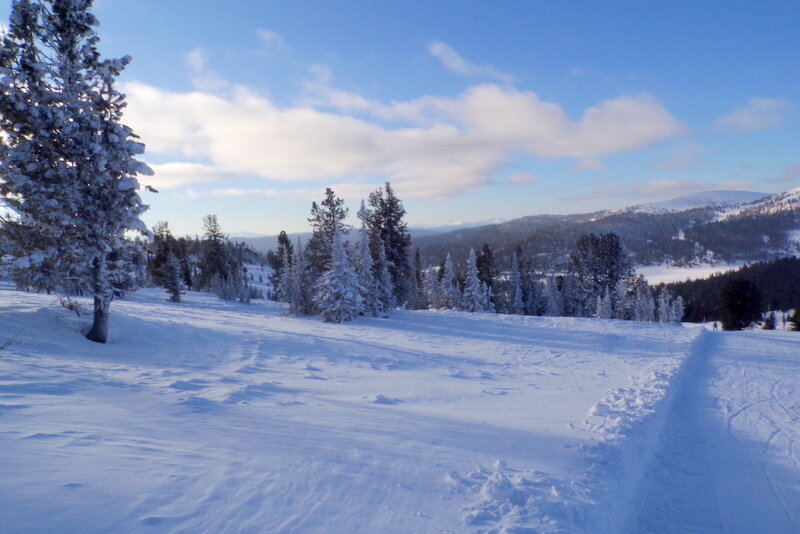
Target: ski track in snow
(209,416)
(727,461)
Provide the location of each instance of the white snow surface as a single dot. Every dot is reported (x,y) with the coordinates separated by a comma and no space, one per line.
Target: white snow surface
(212,416)
(665,274)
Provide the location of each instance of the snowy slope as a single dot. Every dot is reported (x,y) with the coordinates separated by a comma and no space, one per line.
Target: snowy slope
(210,416)
(704,199)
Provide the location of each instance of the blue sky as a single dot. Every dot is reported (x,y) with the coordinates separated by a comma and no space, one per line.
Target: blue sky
(473,110)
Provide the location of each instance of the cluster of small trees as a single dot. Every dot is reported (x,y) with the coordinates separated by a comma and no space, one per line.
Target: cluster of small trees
(339,280)
(599,282)
(211,264)
(67,165)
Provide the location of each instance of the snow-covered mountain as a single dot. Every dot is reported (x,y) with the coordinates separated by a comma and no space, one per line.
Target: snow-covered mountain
(703,199)
(702,228)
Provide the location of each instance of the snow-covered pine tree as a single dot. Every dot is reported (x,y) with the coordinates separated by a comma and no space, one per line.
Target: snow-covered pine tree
(554,304)
(365,267)
(644,305)
(431,290)
(383,288)
(678,310)
(604,309)
(473,297)
(664,311)
(386,220)
(487,295)
(450,294)
(413,293)
(622,300)
(279,263)
(318,249)
(172,281)
(338,295)
(286,283)
(67,165)
(516,304)
(300,303)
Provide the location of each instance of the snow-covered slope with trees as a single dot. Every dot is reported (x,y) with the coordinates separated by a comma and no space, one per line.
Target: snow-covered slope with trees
(214,416)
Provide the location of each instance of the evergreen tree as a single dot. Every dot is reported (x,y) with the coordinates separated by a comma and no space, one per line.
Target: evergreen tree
(281,260)
(338,295)
(301,301)
(386,219)
(515,288)
(604,309)
(172,281)
(365,266)
(213,263)
(326,218)
(384,296)
(622,300)
(664,306)
(486,294)
(741,304)
(67,164)
(414,293)
(554,306)
(286,283)
(677,310)
(450,295)
(487,272)
(770,322)
(474,295)
(431,290)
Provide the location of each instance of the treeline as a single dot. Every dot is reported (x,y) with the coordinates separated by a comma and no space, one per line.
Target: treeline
(777,282)
(212,264)
(376,272)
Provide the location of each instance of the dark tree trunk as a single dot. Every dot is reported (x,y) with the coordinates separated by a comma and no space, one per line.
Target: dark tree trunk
(99,331)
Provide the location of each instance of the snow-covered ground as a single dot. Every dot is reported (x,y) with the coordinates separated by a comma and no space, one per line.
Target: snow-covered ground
(665,274)
(211,416)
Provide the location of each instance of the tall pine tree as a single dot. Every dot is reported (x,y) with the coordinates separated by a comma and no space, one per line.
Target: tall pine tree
(67,165)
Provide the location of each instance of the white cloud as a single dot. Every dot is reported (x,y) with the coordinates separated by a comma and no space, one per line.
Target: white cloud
(178,174)
(680,158)
(271,38)
(452,61)
(443,145)
(758,114)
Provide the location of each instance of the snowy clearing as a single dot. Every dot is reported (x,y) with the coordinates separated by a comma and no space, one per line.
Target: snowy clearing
(665,274)
(210,416)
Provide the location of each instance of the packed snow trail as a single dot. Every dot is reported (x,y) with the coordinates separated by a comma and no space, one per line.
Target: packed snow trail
(729,458)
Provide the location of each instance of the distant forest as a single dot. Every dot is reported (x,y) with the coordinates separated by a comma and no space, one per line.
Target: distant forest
(778,282)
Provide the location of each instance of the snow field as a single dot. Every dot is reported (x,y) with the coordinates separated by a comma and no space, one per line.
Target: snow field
(220,417)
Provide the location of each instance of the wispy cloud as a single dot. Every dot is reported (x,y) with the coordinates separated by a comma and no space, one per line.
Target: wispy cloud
(680,157)
(178,174)
(453,61)
(758,114)
(271,38)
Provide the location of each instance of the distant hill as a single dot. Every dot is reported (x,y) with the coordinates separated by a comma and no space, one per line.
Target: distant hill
(705,199)
(713,226)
